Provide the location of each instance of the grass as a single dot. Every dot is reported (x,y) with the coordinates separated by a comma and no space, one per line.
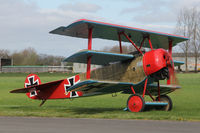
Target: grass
(186,102)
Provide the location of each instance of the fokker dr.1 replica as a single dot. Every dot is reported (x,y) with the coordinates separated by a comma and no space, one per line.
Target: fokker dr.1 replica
(137,73)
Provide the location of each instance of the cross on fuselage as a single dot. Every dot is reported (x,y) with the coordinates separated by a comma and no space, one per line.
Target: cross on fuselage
(32,82)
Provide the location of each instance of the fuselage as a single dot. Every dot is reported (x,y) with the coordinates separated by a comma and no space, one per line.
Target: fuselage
(135,70)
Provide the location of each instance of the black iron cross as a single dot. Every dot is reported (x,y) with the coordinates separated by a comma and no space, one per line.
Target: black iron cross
(71,83)
(32,82)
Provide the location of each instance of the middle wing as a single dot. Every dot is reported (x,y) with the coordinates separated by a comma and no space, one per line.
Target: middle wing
(98,58)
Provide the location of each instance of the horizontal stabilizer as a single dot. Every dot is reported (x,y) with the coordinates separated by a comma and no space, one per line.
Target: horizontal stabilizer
(37,87)
(98,58)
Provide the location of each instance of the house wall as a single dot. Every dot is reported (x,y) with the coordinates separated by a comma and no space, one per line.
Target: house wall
(32,69)
(191,63)
(81,67)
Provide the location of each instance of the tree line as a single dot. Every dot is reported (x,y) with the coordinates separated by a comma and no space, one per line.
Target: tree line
(29,56)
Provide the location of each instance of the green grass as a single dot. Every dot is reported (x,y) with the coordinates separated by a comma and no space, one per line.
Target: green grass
(186,102)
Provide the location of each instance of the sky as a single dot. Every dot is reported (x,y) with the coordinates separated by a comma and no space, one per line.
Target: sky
(26,23)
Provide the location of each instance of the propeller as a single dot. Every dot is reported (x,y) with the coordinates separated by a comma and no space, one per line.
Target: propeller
(172,80)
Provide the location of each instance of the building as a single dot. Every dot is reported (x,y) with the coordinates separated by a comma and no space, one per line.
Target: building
(191,61)
(81,67)
(5,62)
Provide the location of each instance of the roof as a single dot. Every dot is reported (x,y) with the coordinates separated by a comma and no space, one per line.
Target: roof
(110,31)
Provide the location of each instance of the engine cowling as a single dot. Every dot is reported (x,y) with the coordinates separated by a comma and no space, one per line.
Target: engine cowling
(156,63)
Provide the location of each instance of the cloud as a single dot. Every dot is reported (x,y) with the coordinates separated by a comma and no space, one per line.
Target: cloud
(25,24)
(178,4)
(156,11)
(80,7)
(151,11)
(158,15)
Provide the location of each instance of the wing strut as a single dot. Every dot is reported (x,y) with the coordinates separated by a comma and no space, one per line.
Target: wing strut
(142,42)
(88,67)
(158,90)
(89,57)
(170,47)
(120,42)
(145,87)
(170,53)
(90,39)
(132,42)
(150,44)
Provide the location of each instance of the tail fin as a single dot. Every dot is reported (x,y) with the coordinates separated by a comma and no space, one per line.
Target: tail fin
(32,79)
(52,90)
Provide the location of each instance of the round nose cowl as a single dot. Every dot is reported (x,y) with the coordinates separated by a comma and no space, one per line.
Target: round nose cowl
(155,61)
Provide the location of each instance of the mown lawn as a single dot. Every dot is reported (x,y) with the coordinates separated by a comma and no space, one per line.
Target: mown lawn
(186,102)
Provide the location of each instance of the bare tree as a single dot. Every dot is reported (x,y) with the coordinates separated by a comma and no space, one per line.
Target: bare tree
(50,60)
(27,56)
(196,38)
(4,53)
(188,24)
(185,27)
(115,49)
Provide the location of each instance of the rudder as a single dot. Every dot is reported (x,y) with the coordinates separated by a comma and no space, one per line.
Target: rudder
(32,79)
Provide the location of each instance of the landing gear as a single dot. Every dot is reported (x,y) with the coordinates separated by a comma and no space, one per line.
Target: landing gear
(167,99)
(135,103)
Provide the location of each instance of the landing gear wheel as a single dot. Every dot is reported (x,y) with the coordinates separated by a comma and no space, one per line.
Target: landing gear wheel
(165,98)
(135,103)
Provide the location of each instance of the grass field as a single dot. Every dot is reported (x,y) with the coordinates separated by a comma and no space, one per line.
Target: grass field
(186,102)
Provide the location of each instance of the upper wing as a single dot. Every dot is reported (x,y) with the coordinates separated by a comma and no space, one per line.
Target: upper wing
(98,58)
(110,32)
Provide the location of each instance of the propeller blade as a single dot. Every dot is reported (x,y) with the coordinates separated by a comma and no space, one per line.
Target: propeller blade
(172,76)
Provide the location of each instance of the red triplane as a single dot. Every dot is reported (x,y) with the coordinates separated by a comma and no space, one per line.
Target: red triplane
(137,73)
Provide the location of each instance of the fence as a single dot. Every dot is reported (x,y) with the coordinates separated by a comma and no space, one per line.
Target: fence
(32,69)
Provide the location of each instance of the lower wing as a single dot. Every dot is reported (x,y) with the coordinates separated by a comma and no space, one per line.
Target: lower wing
(67,88)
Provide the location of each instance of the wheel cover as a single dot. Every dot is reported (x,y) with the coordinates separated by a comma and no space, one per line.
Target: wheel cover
(135,104)
(165,98)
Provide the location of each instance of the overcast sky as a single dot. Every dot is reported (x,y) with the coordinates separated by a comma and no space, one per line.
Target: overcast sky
(26,23)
